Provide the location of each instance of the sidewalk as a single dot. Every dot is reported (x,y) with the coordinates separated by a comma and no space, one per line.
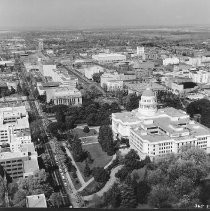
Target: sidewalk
(79,175)
(108,185)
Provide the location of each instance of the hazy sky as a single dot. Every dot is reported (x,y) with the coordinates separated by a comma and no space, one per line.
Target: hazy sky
(101,13)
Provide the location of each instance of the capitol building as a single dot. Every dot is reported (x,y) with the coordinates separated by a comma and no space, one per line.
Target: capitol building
(157,132)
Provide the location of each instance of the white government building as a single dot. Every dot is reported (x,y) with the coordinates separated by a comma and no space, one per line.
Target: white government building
(157,132)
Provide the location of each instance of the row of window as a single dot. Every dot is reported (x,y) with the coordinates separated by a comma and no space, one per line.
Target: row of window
(203,138)
(168,147)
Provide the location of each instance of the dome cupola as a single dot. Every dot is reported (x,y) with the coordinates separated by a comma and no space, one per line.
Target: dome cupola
(148,103)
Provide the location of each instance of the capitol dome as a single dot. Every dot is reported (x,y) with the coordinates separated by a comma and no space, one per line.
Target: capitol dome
(148,103)
(148,92)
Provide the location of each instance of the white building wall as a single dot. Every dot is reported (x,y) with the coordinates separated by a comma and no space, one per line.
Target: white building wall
(168,61)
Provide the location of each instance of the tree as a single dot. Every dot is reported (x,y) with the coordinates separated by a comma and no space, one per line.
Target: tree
(100,174)
(128,198)
(36,93)
(56,199)
(70,122)
(46,160)
(142,191)
(60,116)
(183,186)
(91,119)
(89,158)
(131,160)
(105,138)
(78,152)
(20,198)
(12,90)
(156,177)
(132,102)
(87,170)
(86,129)
(112,197)
(19,89)
(160,196)
(122,174)
(97,77)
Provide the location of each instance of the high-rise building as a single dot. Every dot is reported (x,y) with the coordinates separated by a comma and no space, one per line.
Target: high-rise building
(140,51)
(41,45)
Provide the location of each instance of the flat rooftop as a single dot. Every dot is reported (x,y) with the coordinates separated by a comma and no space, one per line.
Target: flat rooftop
(141,86)
(36,201)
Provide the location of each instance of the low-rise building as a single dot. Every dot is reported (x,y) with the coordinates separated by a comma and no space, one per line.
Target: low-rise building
(182,87)
(36,201)
(138,87)
(109,58)
(114,85)
(171,61)
(200,76)
(64,95)
(20,163)
(114,76)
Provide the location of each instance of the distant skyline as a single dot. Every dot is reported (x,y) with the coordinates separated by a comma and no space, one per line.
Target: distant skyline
(87,14)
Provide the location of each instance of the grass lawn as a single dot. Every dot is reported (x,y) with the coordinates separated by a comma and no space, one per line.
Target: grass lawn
(92,188)
(100,158)
(81,134)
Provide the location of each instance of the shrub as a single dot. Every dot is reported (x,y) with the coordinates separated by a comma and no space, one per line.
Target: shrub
(86,129)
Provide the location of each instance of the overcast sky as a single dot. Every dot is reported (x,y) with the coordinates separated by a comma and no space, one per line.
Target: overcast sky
(101,13)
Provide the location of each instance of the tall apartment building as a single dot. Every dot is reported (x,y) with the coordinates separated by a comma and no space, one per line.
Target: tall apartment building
(157,132)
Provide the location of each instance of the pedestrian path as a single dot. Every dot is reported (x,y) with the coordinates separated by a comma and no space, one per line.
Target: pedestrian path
(108,185)
(79,175)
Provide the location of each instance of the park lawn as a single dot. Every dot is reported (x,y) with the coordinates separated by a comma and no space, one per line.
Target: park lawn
(100,158)
(81,134)
(89,188)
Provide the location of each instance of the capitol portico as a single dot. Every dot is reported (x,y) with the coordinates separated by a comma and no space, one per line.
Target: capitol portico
(156,132)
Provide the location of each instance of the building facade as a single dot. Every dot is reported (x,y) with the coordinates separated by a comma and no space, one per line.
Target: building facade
(172,61)
(64,96)
(13,120)
(109,58)
(200,76)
